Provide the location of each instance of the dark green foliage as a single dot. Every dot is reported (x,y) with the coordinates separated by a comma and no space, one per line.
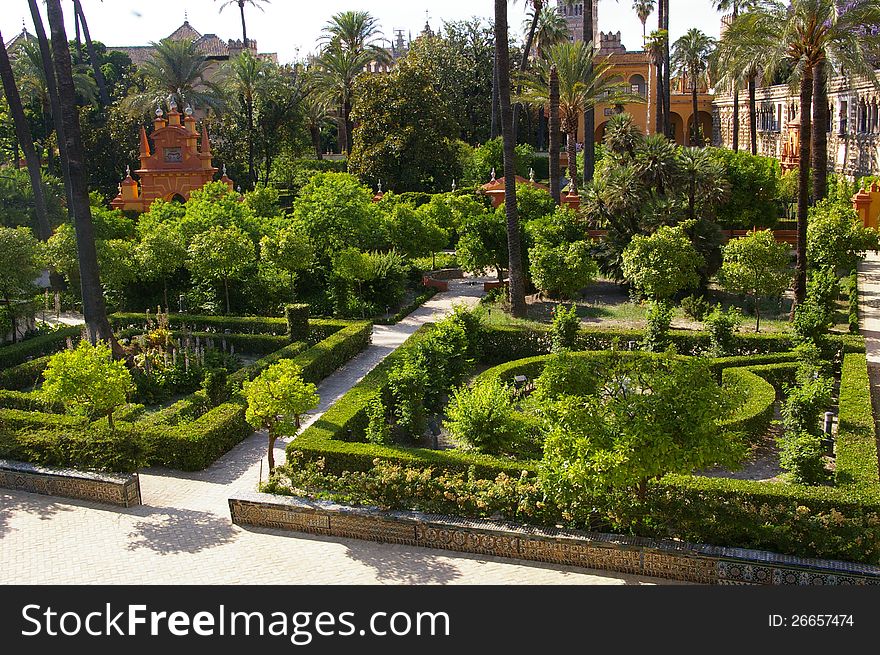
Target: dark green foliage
(297,317)
(722,326)
(564,329)
(215,384)
(378,431)
(407,388)
(754,188)
(851,288)
(45,344)
(803,456)
(856,461)
(567,375)
(659,318)
(697,307)
(24,376)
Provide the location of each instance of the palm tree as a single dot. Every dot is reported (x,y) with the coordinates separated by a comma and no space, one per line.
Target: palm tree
(799,37)
(534,17)
(176,71)
(351,43)
(555,129)
(244,76)
(690,59)
(335,72)
(643,9)
(733,7)
(665,80)
(94,310)
(584,82)
(589,112)
(655,45)
(516,269)
(552,29)
(93,54)
(241,3)
(317,113)
(23,134)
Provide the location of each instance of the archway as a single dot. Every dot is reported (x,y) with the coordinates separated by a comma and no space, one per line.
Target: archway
(677,124)
(176,197)
(637,85)
(704,123)
(600,132)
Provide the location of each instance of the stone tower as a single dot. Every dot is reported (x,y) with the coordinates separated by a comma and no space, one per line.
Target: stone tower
(574,16)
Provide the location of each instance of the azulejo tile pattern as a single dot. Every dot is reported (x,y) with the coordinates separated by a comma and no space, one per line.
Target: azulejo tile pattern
(123,491)
(664,559)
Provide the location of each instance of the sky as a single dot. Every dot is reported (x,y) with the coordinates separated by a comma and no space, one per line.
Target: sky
(291,27)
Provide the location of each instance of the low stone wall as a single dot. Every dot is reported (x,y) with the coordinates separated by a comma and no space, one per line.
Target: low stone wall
(658,558)
(120,490)
(446,274)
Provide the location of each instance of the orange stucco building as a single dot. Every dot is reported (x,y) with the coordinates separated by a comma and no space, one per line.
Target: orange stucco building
(173,167)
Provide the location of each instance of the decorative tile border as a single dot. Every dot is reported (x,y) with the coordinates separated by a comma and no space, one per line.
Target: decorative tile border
(675,560)
(120,490)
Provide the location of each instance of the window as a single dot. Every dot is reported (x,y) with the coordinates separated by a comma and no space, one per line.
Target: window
(637,85)
(843,115)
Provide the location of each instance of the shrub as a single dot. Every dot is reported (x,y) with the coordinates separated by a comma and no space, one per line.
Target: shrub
(562,270)
(563,331)
(564,375)
(215,384)
(484,417)
(804,404)
(443,356)
(408,385)
(378,430)
(697,307)
(87,381)
(803,456)
(836,238)
(856,452)
(297,317)
(38,346)
(722,326)
(661,265)
(659,319)
(824,288)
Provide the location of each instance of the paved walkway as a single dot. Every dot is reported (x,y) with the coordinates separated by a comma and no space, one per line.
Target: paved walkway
(183,535)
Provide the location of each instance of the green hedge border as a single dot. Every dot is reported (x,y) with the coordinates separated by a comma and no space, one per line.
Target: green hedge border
(46,344)
(856,461)
(169,439)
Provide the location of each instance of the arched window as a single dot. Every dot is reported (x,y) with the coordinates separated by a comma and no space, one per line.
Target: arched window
(637,85)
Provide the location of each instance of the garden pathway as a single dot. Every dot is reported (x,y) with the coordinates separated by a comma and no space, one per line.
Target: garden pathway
(183,535)
(869,323)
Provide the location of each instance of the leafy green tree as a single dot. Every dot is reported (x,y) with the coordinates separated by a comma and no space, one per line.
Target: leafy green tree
(489,156)
(567,375)
(482,242)
(17,199)
(337,212)
(652,415)
(662,264)
(276,401)
(87,381)
(413,232)
(407,387)
(288,251)
(160,254)
(220,255)
(690,60)
(484,417)
(22,256)
(61,254)
(563,270)
(757,266)
(836,238)
(564,329)
(216,205)
(404,133)
(754,189)
(117,260)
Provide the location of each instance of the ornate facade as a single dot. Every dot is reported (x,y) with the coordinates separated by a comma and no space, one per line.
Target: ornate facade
(173,168)
(854,128)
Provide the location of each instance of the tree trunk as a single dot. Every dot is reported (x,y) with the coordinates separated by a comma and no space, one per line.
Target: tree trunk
(695,128)
(523,65)
(94,310)
(819,147)
(571,149)
(316,141)
(271,450)
(79,45)
(226,289)
(542,130)
(493,130)
(753,113)
(803,203)
(165,285)
(735,94)
(93,55)
(243,24)
(252,173)
(667,118)
(757,315)
(659,121)
(516,273)
(6,297)
(349,128)
(54,100)
(554,131)
(590,112)
(25,139)
(342,133)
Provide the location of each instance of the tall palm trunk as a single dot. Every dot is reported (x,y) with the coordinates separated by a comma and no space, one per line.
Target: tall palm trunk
(571,150)
(493,128)
(54,100)
(252,173)
(524,64)
(695,127)
(25,139)
(94,310)
(243,23)
(753,113)
(553,136)
(342,132)
(667,110)
(735,96)
(589,112)
(316,140)
(516,274)
(93,55)
(803,202)
(819,146)
(349,128)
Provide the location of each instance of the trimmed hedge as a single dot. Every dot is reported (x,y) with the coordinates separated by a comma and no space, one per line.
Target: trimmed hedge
(856,436)
(502,343)
(28,402)
(408,309)
(24,376)
(39,346)
(252,344)
(199,323)
(251,371)
(297,317)
(754,416)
